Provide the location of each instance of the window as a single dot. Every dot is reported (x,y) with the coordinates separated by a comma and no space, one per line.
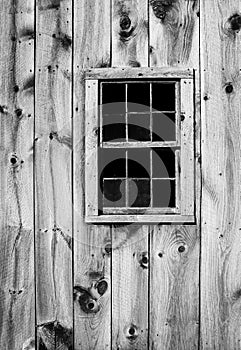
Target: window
(139,146)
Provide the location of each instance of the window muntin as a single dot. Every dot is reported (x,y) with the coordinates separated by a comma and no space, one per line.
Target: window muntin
(135,164)
(181,206)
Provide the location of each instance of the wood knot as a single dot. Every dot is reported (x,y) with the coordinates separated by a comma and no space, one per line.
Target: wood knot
(161,7)
(19,112)
(181,249)
(131,332)
(144,260)
(87,303)
(14,160)
(108,248)
(125,22)
(16,88)
(235,22)
(102,287)
(127,30)
(229,88)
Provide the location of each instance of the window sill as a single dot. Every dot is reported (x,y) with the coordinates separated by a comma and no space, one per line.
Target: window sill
(152,219)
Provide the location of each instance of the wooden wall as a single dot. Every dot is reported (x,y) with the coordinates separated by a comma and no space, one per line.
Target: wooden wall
(68,285)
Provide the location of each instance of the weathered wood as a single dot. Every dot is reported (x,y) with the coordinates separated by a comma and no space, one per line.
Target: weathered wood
(166,218)
(139,73)
(187,147)
(92,244)
(173,32)
(130,270)
(91,147)
(221,174)
(129,280)
(129,33)
(53,202)
(17,304)
(137,144)
(174,294)
(174,250)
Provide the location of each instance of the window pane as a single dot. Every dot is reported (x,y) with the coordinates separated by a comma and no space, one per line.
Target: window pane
(113,98)
(139,163)
(163,160)
(138,97)
(112,163)
(114,193)
(139,127)
(163,127)
(164,193)
(163,97)
(114,128)
(138,193)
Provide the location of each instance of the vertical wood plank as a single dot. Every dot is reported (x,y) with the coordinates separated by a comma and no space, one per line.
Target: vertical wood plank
(173,32)
(221,173)
(174,250)
(17,316)
(53,202)
(130,268)
(92,243)
(129,33)
(174,288)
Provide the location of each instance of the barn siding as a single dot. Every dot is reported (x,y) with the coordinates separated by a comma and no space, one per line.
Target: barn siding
(174,250)
(92,243)
(221,155)
(53,186)
(17,304)
(141,281)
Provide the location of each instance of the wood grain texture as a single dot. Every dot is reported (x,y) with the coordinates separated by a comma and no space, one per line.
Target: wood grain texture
(174,250)
(91,147)
(92,244)
(53,202)
(174,293)
(187,147)
(221,92)
(130,242)
(130,269)
(138,73)
(173,33)
(129,33)
(16,175)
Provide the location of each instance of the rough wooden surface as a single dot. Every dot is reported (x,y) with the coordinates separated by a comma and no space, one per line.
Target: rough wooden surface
(129,33)
(130,242)
(53,187)
(92,244)
(221,240)
(187,147)
(174,292)
(17,315)
(174,250)
(130,270)
(173,33)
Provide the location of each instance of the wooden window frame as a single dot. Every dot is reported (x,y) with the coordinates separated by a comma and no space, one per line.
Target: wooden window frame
(185,197)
